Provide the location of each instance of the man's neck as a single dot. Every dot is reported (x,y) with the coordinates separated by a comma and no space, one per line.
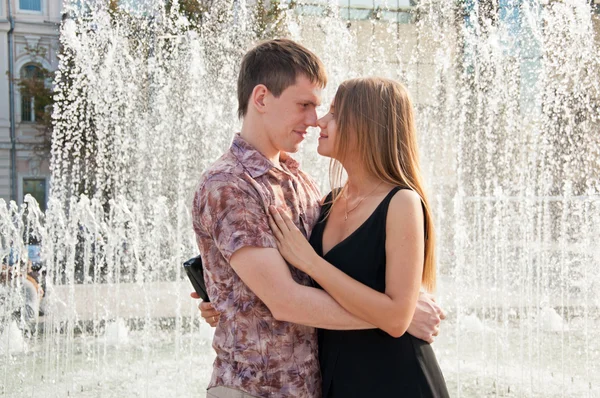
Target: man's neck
(252,135)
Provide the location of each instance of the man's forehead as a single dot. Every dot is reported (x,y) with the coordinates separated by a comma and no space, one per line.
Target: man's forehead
(307,91)
(314,99)
(311,96)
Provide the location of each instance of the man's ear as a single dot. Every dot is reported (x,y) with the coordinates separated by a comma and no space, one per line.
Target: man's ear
(257,98)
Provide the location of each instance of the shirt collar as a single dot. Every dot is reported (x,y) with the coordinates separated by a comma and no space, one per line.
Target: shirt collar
(255,162)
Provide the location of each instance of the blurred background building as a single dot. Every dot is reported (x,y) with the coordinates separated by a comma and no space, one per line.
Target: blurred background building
(29,43)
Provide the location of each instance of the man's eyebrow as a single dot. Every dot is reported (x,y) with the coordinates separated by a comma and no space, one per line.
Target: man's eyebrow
(311,102)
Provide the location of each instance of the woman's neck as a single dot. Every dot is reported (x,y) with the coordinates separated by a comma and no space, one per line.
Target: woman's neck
(360,182)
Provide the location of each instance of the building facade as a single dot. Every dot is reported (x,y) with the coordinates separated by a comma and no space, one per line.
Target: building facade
(29,43)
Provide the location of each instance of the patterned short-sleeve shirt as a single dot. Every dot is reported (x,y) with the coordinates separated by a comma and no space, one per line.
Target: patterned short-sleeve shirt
(255,352)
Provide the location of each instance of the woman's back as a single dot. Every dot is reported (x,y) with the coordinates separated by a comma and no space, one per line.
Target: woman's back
(371,363)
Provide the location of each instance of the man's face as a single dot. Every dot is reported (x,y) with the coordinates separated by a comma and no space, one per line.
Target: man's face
(287,117)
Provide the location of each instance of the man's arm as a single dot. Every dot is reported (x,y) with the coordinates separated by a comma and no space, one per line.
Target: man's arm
(266,273)
(425,324)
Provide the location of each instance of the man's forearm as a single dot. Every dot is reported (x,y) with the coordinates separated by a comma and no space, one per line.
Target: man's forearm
(314,307)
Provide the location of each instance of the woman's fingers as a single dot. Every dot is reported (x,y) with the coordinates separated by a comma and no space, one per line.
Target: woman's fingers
(287,220)
(278,220)
(275,229)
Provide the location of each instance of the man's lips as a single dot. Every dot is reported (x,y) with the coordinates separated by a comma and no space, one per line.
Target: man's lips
(302,133)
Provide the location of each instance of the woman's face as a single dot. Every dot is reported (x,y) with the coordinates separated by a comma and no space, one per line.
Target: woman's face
(328,133)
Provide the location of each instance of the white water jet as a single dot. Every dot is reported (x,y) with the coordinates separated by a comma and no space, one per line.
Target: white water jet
(471,324)
(116,332)
(11,339)
(550,321)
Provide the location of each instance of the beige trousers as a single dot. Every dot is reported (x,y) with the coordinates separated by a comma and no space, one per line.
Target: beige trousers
(226,392)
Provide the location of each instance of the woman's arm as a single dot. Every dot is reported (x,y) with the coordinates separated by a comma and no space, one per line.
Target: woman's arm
(393,310)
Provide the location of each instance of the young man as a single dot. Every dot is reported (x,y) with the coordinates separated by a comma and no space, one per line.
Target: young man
(264,311)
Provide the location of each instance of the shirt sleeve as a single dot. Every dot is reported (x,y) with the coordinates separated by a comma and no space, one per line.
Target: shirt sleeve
(231,211)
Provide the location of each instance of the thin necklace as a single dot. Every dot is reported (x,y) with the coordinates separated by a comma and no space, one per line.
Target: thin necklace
(359,202)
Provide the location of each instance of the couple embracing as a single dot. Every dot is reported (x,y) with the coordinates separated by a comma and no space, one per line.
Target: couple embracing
(311,296)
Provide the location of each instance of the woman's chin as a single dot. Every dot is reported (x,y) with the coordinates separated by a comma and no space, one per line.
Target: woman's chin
(323,152)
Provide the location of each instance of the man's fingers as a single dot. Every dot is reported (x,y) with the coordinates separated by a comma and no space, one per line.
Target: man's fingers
(439,311)
(212,321)
(206,305)
(210,316)
(442,314)
(208,313)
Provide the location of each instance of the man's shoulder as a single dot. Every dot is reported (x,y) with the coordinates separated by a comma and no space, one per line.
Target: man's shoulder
(226,169)
(226,177)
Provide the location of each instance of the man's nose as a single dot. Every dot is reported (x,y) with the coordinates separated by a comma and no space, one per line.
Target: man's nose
(312,118)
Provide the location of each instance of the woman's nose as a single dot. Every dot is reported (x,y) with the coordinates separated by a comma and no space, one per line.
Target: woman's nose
(322,122)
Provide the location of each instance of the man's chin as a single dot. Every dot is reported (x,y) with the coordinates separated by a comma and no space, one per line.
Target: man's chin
(293,148)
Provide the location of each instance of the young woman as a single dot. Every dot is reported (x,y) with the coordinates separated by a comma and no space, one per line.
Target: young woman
(373,247)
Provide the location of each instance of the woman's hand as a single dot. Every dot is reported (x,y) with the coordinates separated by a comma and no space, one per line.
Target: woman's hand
(292,245)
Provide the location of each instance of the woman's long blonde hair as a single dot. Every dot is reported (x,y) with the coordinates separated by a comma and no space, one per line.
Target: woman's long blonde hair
(376,126)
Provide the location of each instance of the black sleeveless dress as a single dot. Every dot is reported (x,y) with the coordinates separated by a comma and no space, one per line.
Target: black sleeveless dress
(371,363)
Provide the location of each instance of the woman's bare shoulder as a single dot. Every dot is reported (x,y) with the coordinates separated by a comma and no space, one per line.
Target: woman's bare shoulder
(405,203)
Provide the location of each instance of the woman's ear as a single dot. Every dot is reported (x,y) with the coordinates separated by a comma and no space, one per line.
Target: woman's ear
(257,98)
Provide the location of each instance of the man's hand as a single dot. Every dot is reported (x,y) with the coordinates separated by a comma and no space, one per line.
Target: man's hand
(207,311)
(425,324)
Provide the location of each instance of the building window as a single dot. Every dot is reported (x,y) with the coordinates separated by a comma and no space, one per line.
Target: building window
(399,11)
(30,5)
(31,77)
(36,187)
